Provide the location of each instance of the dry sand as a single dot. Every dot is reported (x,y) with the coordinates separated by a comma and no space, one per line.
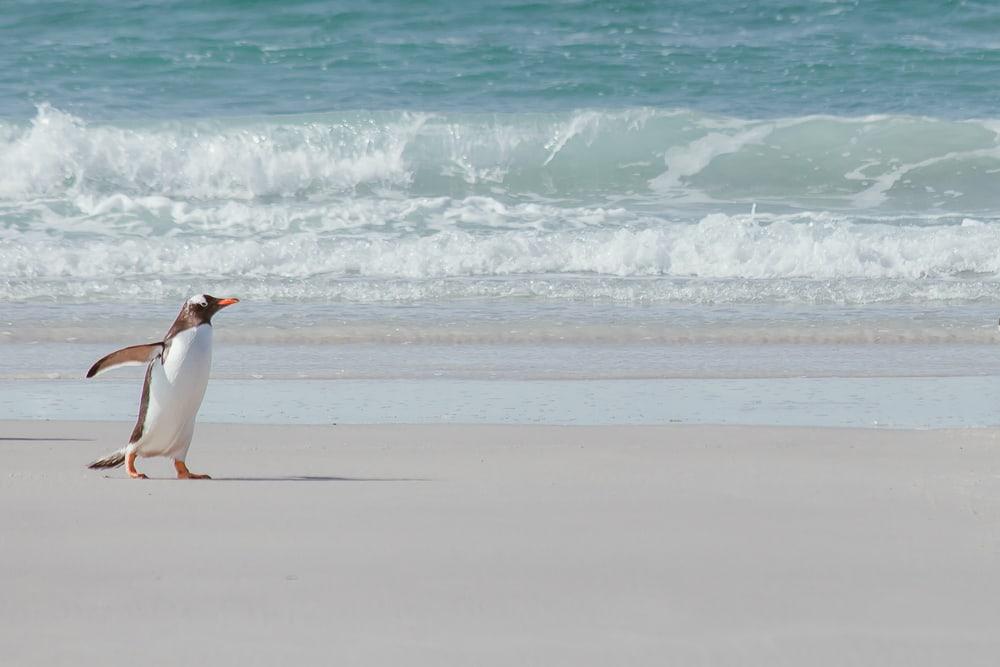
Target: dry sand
(507,545)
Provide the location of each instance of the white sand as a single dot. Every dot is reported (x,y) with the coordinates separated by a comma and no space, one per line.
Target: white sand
(516,545)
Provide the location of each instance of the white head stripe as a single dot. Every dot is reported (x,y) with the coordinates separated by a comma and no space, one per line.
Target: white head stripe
(199,300)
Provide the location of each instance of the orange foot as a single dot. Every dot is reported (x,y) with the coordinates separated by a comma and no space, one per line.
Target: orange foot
(130,467)
(184,473)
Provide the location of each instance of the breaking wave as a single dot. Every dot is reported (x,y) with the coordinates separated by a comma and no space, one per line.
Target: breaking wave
(899,161)
(633,205)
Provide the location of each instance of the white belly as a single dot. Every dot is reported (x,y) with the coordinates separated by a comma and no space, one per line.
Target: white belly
(176,388)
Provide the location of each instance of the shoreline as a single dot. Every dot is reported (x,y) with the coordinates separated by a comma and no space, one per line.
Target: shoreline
(872,402)
(59,425)
(499,545)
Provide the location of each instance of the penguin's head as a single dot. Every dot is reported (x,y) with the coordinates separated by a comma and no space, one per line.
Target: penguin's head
(201,307)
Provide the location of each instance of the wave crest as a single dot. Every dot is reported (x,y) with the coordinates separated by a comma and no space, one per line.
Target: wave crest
(678,156)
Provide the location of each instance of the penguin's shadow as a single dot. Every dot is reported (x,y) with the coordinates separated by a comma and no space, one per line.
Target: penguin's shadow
(316,478)
(46,439)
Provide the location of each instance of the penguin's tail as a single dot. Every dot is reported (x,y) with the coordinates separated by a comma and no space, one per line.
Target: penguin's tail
(112,460)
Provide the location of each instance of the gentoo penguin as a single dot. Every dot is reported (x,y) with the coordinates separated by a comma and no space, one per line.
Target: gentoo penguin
(176,376)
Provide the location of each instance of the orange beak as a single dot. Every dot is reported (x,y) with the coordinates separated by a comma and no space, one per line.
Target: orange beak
(228,302)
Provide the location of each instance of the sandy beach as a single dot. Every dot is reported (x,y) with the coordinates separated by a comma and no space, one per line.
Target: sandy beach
(503,545)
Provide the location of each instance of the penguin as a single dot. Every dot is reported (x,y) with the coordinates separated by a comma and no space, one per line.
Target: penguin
(177,370)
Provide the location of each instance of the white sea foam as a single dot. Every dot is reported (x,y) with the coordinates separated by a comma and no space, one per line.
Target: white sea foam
(685,161)
(634,205)
(515,252)
(59,153)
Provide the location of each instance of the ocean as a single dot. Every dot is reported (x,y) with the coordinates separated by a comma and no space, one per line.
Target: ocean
(647,197)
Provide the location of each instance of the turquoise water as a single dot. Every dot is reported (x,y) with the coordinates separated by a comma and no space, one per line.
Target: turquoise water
(746,192)
(104,60)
